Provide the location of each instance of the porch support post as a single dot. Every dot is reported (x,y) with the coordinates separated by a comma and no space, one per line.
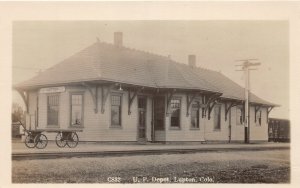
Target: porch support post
(25,97)
(169,98)
(256,110)
(210,107)
(93,94)
(189,100)
(131,98)
(104,94)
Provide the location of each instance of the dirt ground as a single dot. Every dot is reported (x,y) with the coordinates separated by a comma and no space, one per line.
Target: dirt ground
(215,167)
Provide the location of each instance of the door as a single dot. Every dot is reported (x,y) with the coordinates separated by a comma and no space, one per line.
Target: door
(142,104)
(159,113)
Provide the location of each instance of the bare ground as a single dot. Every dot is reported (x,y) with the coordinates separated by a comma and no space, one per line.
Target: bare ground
(220,167)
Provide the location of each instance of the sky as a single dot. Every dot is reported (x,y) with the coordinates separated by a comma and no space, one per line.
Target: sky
(38,45)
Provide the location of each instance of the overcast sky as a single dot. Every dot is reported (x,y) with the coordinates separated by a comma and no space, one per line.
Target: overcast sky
(217,45)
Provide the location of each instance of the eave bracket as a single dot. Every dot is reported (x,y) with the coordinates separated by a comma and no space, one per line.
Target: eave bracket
(25,97)
(94,94)
(209,101)
(257,108)
(105,90)
(169,98)
(131,97)
(189,101)
(268,112)
(228,106)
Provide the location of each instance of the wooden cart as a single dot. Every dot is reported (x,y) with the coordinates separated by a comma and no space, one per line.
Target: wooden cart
(36,138)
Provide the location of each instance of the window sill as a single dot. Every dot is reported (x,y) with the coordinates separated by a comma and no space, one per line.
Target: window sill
(115,127)
(74,127)
(194,129)
(175,128)
(52,126)
(217,130)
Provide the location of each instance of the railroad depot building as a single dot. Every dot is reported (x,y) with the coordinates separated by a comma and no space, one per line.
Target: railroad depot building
(115,93)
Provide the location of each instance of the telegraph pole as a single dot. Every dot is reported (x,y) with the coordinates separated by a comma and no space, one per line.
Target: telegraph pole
(246,64)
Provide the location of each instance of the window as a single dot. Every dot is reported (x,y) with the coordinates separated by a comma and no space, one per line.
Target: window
(195,115)
(52,109)
(239,115)
(175,113)
(217,117)
(258,118)
(116,110)
(76,109)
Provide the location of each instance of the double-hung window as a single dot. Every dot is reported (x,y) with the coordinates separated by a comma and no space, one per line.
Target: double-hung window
(116,112)
(217,117)
(52,110)
(195,115)
(76,110)
(175,113)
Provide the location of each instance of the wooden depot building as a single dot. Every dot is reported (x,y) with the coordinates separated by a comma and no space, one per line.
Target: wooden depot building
(115,93)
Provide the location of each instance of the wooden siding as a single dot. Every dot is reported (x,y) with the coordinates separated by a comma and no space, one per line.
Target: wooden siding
(184,133)
(221,134)
(237,129)
(259,132)
(97,127)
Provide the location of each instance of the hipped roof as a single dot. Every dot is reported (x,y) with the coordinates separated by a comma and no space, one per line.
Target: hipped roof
(107,62)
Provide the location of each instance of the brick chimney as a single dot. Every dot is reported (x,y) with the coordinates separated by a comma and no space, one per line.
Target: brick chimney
(192,60)
(118,39)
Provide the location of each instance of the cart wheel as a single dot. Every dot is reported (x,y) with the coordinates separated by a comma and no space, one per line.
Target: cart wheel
(41,141)
(72,140)
(60,141)
(29,141)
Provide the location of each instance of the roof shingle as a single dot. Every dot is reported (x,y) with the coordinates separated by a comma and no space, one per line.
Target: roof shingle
(107,62)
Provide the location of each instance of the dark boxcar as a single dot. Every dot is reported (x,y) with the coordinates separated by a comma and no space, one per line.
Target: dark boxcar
(279,130)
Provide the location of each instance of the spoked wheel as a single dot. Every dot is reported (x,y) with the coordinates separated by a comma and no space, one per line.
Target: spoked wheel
(60,140)
(29,141)
(72,140)
(41,141)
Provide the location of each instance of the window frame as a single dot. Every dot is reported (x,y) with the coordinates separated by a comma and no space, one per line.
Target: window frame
(146,114)
(198,116)
(121,107)
(82,109)
(58,116)
(219,117)
(239,123)
(179,116)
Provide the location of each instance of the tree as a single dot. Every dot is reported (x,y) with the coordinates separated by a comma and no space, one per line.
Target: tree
(18,113)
